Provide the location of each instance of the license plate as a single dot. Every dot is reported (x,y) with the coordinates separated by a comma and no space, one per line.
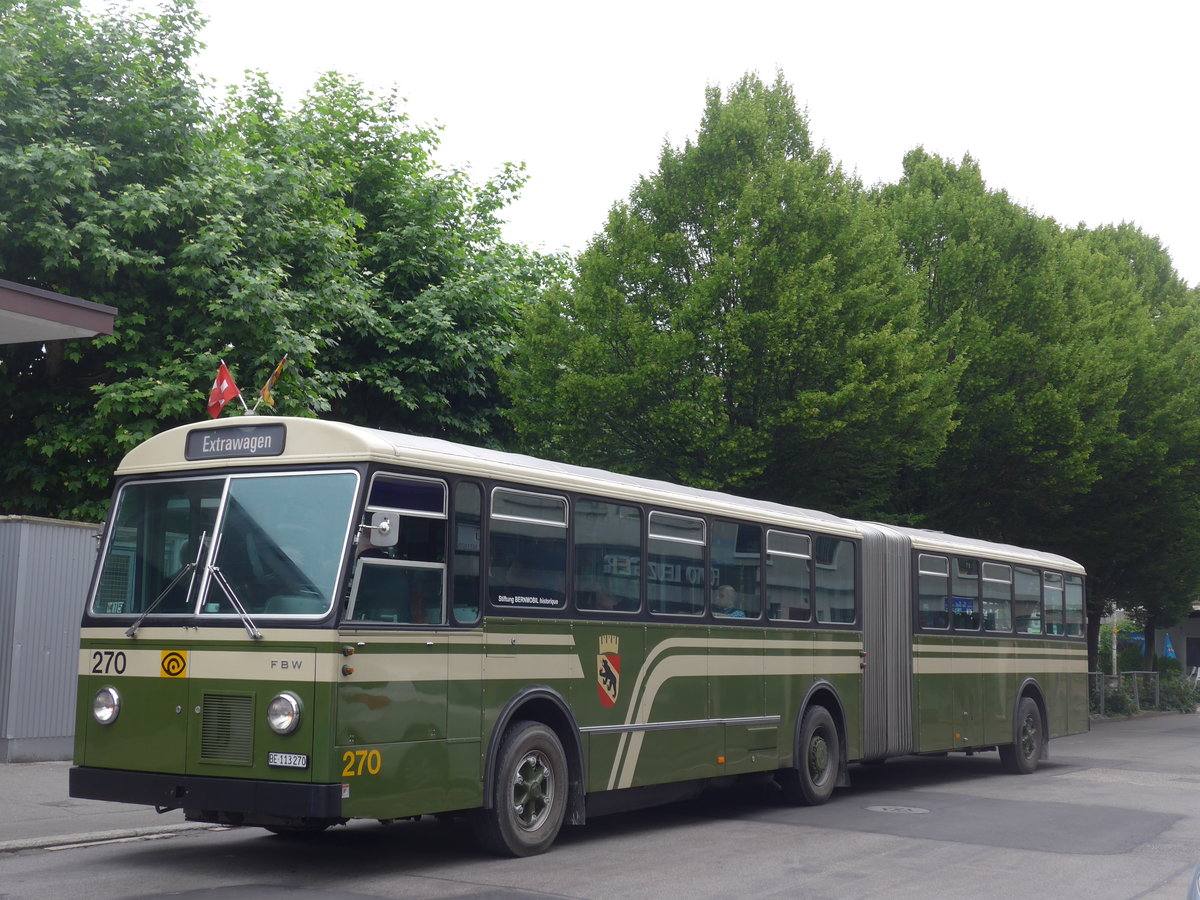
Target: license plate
(288,760)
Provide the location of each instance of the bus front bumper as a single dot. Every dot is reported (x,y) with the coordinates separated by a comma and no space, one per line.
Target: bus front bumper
(232,797)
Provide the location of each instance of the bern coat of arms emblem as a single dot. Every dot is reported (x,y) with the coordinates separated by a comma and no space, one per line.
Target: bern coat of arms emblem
(608,669)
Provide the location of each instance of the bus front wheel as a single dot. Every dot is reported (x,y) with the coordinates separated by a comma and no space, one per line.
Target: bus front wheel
(819,754)
(1022,755)
(529,793)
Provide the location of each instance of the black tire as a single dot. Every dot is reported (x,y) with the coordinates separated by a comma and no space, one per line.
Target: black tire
(818,760)
(529,793)
(1022,755)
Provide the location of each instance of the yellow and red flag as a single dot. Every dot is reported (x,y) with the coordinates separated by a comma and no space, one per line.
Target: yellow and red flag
(265,393)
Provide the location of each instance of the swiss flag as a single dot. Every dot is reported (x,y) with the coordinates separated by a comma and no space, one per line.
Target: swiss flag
(223,390)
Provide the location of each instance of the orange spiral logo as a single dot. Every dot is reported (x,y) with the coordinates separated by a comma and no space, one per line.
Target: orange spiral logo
(174,663)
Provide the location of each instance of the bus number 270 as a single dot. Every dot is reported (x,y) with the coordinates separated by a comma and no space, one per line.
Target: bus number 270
(359,760)
(108,662)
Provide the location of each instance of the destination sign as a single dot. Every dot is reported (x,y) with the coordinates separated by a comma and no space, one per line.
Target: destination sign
(233,441)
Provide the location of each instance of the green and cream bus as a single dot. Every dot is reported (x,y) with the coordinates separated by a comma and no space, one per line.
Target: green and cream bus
(295,623)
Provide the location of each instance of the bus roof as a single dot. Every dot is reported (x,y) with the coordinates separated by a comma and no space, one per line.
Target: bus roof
(318,442)
(939,542)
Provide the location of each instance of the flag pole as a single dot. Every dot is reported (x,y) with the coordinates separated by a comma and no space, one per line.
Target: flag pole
(239,393)
(264,394)
(224,389)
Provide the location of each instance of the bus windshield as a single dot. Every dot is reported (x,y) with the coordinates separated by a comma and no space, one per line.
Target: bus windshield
(275,541)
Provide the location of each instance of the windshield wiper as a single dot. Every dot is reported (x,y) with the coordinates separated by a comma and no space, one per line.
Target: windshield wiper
(219,577)
(132,630)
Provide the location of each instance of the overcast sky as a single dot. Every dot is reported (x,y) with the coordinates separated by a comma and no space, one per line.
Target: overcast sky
(1083,111)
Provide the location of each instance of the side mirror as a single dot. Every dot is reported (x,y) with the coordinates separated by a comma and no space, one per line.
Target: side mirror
(383,529)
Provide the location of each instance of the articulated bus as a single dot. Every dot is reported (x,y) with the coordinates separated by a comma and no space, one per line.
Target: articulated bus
(295,623)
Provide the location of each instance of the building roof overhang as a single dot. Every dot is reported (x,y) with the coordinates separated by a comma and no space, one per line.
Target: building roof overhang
(29,314)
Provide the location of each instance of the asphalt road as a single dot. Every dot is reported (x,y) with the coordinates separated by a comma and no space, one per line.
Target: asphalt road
(1114,814)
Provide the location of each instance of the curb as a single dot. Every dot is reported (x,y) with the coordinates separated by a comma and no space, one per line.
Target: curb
(68,840)
(1144,714)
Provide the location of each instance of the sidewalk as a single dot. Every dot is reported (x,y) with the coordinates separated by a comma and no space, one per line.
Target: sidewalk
(35,811)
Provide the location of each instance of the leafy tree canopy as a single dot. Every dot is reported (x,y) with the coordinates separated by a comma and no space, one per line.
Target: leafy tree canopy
(243,231)
(1076,425)
(1139,528)
(1038,393)
(743,322)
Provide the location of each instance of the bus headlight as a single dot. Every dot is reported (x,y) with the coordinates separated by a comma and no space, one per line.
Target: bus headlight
(106,705)
(283,713)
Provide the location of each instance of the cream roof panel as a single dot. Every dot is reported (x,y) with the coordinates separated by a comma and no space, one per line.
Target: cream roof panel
(938,542)
(312,441)
(309,441)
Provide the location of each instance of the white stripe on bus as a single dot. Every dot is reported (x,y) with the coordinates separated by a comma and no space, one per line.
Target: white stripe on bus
(996,649)
(209,634)
(657,671)
(999,665)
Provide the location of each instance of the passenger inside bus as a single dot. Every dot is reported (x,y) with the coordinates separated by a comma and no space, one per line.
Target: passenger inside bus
(725,602)
(594,596)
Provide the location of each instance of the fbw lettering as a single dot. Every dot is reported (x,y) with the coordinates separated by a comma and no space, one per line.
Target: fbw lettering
(287,663)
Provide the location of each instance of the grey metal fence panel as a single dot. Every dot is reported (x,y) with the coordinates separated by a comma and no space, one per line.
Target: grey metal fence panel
(45,569)
(10,550)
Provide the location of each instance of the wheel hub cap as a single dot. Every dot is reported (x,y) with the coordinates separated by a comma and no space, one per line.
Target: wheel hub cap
(533,790)
(818,757)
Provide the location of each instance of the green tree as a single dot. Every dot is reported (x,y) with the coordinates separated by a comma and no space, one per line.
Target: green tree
(1077,430)
(98,118)
(446,286)
(743,322)
(1137,530)
(244,232)
(1039,389)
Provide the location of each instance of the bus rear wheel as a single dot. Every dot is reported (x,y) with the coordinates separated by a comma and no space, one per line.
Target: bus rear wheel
(819,755)
(1022,755)
(529,793)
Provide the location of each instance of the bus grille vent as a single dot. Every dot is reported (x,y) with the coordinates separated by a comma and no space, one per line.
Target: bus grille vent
(227,729)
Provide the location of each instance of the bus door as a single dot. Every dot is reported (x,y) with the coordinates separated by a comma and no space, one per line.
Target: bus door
(969,727)
(934,658)
(392,690)
(736,692)
(968,682)
(736,667)
(677,741)
(680,741)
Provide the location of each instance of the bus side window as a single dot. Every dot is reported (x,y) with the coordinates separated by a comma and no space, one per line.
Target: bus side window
(965,588)
(465,563)
(403,583)
(608,557)
(396,593)
(675,582)
(527,550)
(1027,600)
(736,555)
(789,576)
(1052,602)
(933,592)
(997,597)
(836,588)
(1075,612)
